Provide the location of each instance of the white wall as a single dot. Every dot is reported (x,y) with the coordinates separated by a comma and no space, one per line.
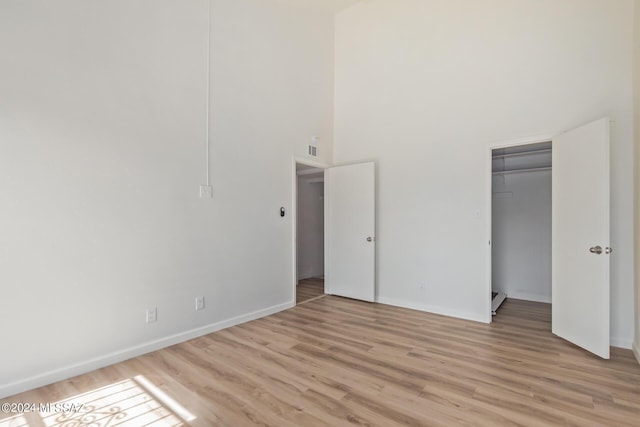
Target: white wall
(310,227)
(102,142)
(425,87)
(636,84)
(521,235)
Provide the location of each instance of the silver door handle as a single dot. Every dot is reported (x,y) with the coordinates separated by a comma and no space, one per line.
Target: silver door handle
(369,239)
(596,250)
(608,250)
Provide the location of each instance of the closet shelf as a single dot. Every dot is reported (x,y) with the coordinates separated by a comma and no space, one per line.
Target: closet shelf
(524,153)
(522,170)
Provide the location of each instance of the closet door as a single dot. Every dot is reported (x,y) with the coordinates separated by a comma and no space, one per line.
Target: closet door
(350,231)
(580,237)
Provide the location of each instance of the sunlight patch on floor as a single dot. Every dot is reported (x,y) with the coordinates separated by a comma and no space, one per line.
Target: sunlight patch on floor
(15,421)
(133,403)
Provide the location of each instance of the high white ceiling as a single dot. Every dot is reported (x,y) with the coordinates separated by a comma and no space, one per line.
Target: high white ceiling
(333,6)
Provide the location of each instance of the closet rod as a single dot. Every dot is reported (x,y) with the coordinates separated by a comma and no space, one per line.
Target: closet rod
(522,170)
(526,153)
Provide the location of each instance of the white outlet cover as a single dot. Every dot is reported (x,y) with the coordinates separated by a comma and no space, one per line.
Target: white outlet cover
(152,315)
(206,192)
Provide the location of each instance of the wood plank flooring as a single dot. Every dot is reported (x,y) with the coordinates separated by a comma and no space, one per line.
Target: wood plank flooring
(308,289)
(335,362)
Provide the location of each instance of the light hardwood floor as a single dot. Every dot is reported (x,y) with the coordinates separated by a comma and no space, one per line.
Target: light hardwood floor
(334,361)
(307,289)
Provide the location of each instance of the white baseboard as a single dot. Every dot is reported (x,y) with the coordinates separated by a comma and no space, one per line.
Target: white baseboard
(437,310)
(636,351)
(621,342)
(529,297)
(83,367)
(615,341)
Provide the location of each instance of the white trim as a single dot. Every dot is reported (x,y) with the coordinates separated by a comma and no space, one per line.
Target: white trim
(636,351)
(496,145)
(356,162)
(625,343)
(79,368)
(310,162)
(489,200)
(526,296)
(327,232)
(436,310)
(488,208)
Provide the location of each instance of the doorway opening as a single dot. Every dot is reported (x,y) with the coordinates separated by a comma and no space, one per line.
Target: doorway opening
(521,224)
(309,244)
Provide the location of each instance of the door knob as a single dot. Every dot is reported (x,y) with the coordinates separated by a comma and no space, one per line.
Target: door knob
(369,239)
(596,250)
(608,250)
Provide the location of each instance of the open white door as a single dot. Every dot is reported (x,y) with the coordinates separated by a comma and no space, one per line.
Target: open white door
(350,231)
(580,237)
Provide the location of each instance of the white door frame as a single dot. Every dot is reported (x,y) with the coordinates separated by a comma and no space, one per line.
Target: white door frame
(294,215)
(489,203)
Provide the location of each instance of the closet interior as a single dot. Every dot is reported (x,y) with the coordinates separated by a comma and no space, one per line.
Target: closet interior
(521,224)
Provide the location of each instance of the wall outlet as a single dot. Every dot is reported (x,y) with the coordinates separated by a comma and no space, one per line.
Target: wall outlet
(206,192)
(152,315)
(199,303)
